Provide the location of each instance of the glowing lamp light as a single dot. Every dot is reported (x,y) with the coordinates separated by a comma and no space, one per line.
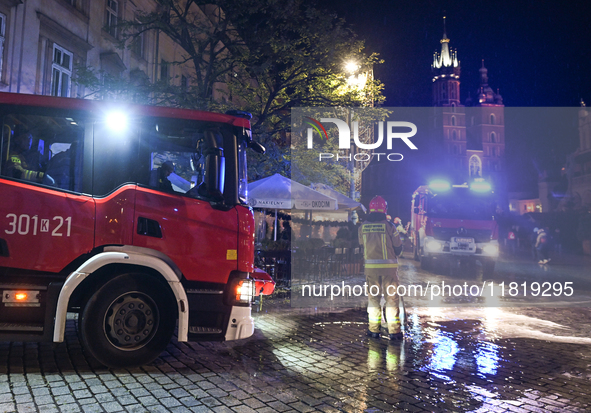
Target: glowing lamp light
(433,245)
(244,291)
(491,249)
(20,296)
(351,67)
(480,186)
(116,121)
(439,185)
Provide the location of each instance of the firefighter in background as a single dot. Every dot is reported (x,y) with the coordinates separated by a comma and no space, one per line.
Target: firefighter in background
(20,150)
(403,231)
(381,243)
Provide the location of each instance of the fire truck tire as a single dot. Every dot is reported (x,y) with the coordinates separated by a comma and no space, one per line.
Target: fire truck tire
(128,322)
(488,267)
(426,262)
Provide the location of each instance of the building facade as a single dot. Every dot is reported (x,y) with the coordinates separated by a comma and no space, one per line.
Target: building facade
(43,42)
(578,167)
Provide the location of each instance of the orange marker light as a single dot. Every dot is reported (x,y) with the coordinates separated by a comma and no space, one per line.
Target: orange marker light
(20,296)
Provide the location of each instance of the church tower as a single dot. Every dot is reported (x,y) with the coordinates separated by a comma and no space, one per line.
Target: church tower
(446,71)
(449,121)
(486,133)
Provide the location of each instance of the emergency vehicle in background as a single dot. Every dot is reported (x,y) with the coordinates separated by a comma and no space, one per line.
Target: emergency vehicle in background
(451,222)
(98,236)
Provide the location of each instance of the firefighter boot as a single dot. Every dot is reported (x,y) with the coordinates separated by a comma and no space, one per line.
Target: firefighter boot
(396,336)
(371,334)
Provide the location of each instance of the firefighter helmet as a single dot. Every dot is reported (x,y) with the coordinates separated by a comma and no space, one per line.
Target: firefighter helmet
(378,204)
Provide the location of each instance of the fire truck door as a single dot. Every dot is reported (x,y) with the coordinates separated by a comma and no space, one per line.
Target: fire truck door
(43,229)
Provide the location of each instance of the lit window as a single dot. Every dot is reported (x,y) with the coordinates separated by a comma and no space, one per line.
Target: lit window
(61,71)
(111,17)
(475,165)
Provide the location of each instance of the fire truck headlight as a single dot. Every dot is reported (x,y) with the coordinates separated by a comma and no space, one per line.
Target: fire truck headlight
(480,186)
(433,245)
(491,249)
(439,185)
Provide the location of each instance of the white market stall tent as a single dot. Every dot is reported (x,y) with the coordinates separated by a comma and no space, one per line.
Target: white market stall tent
(343,202)
(278,192)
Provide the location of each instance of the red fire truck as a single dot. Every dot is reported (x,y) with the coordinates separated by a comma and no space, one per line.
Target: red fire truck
(451,222)
(132,217)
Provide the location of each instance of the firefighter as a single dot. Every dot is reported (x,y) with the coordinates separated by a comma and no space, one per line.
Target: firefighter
(164,172)
(403,233)
(381,243)
(17,166)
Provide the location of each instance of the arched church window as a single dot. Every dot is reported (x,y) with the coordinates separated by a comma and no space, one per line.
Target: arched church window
(492,118)
(475,166)
(453,121)
(493,137)
(454,135)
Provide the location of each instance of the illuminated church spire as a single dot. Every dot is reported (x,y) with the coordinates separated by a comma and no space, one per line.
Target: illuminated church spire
(447,57)
(446,74)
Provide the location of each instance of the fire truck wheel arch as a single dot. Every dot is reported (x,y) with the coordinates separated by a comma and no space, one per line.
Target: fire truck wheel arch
(132,259)
(128,321)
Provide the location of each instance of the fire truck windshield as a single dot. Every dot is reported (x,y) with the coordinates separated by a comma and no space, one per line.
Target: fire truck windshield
(461,203)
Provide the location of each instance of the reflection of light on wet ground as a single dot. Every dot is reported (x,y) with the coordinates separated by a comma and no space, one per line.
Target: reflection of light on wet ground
(443,354)
(487,358)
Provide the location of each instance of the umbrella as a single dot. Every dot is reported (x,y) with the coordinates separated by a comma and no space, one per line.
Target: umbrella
(278,192)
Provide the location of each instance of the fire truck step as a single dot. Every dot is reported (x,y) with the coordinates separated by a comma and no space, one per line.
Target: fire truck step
(204,330)
(20,327)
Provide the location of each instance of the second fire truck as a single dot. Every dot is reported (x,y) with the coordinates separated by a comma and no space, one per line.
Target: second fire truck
(451,222)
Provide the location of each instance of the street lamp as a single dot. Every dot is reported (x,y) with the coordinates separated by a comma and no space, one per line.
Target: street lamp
(351,67)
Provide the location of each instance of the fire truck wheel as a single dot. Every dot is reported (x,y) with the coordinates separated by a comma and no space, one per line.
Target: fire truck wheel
(426,262)
(488,267)
(128,322)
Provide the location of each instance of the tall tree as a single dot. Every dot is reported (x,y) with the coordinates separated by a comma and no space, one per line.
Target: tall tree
(263,56)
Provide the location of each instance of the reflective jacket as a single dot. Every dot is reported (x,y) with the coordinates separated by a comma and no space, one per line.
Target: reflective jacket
(18,168)
(381,242)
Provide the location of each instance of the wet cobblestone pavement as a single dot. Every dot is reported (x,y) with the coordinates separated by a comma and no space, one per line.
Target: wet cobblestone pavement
(300,360)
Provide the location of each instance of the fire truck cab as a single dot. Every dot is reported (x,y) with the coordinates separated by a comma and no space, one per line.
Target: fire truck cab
(130,217)
(451,222)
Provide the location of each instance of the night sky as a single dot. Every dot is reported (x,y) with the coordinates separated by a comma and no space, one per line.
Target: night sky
(538,54)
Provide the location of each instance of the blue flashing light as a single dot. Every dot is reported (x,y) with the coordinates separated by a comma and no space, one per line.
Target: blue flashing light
(480,186)
(439,185)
